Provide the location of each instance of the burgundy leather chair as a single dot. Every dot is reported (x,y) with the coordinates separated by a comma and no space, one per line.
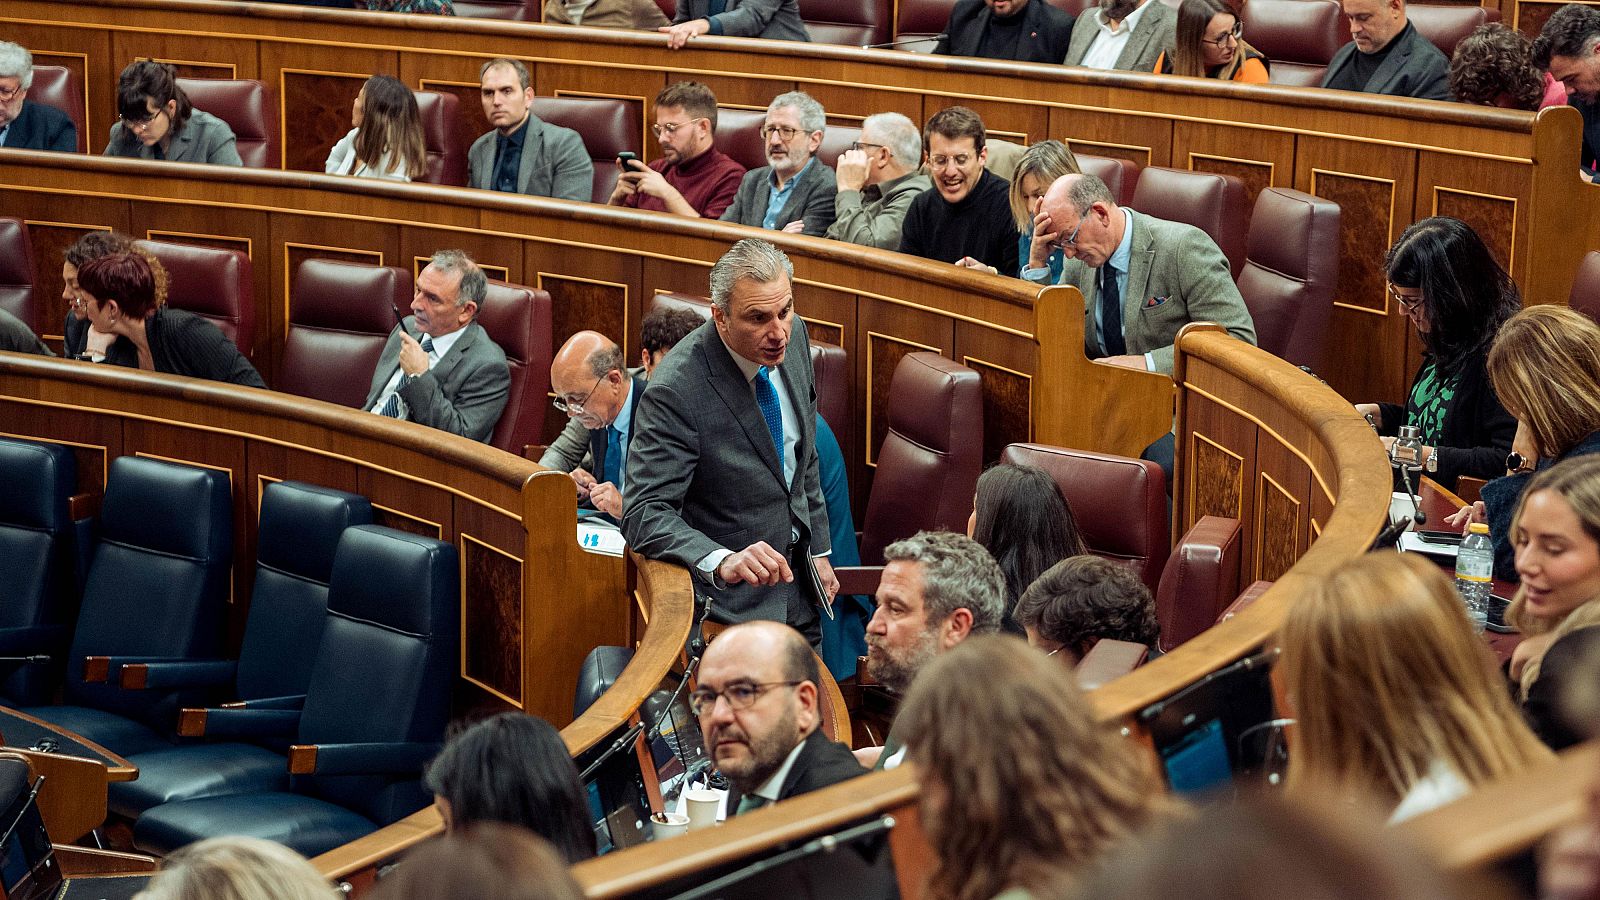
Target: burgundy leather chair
(1291,274)
(1108,660)
(518,319)
(919,22)
(1447,24)
(1585,297)
(246,105)
(851,23)
(1073,8)
(1120,175)
(669,8)
(1246,597)
(441,137)
(835,140)
(57,86)
(607,126)
(676,300)
(1200,579)
(514,10)
(340,315)
(1299,36)
(17,278)
(1120,503)
(214,283)
(1215,204)
(739,135)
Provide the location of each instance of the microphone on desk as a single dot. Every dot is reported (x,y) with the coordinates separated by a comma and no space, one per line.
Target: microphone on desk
(889,45)
(1404,454)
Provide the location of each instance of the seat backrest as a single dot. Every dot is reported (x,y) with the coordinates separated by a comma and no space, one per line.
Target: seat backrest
(518,319)
(514,10)
(393,604)
(676,300)
(598,673)
(17,277)
(1447,24)
(831,364)
(1216,204)
(1199,580)
(1585,297)
(37,551)
(1120,503)
(851,23)
(917,22)
(739,135)
(1120,175)
(212,282)
(1299,36)
(298,535)
(441,137)
(607,126)
(1108,660)
(929,461)
(1073,8)
(1291,274)
(835,140)
(58,86)
(340,315)
(159,581)
(246,105)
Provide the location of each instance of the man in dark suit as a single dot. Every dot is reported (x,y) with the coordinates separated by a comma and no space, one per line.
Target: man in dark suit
(1020,30)
(794,191)
(525,154)
(25,125)
(1387,55)
(776,19)
(594,391)
(452,376)
(722,471)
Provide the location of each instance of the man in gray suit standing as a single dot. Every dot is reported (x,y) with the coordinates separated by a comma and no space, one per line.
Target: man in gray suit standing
(524,154)
(722,470)
(1122,34)
(451,376)
(794,191)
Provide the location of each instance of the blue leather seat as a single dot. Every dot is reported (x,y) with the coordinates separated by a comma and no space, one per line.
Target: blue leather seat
(298,535)
(599,672)
(37,556)
(374,712)
(157,587)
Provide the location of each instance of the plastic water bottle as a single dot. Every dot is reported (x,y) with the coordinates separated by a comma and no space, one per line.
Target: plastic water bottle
(1474,570)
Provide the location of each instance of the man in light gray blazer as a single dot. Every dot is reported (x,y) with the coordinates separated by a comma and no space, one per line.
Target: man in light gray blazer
(1142,278)
(776,19)
(1122,34)
(722,469)
(794,191)
(451,376)
(524,154)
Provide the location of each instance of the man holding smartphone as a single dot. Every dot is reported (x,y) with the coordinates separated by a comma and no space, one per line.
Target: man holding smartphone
(692,177)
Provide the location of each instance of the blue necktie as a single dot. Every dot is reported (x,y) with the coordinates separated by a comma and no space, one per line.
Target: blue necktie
(613,472)
(767,397)
(1111,311)
(392,408)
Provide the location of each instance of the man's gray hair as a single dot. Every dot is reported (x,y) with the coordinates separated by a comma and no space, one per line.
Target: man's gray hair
(516,65)
(474,284)
(957,573)
(602,361)
(812,115)
(899,134)
(752,259)
(16,62)
(1087,190)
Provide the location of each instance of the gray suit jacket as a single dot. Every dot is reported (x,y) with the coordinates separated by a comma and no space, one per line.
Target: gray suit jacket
(1176,275)
(204,139)
(776,19)
(570,450)
(1414,68)
(464,393)
(703,474)
(810,199)
(1155,32)
(555,163)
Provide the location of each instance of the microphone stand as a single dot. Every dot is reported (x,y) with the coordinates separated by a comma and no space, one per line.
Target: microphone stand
(1404,454)
(890,45)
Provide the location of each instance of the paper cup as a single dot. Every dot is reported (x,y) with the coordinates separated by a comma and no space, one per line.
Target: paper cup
(701,805)
(668,825)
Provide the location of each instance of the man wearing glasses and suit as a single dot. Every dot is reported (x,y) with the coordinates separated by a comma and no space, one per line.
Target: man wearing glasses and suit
(794,191)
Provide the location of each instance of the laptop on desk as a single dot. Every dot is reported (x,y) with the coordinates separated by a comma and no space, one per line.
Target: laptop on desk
(28,866)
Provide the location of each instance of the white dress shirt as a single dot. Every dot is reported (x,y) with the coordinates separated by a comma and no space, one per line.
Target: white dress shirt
(1108,42)
(441,346)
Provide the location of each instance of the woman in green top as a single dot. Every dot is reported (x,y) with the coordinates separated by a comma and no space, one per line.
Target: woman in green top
(1443,278)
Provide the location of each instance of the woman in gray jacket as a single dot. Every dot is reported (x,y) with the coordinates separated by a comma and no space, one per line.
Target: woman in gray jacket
(158,122)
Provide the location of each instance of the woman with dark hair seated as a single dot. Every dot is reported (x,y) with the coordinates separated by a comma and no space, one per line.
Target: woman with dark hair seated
(1083,599)
(1208,42)
(120,298)
(79,341)
(1493,66)
(158,121)
(1020,516)
(1447,284)
(513,768)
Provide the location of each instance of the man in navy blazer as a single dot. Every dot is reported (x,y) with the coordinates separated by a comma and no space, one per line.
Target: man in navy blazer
(1020,30)
(25,125)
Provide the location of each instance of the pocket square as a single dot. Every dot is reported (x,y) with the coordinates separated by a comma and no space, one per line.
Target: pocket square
(1153,302)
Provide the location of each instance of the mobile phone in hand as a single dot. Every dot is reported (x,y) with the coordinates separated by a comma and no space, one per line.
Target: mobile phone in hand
(626,159)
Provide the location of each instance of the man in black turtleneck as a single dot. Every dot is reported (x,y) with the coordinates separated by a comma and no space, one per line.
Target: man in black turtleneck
(1021,30)
(966,217)
(1387,55)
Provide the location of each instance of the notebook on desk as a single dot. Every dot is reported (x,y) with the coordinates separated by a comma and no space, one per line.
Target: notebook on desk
(28,866)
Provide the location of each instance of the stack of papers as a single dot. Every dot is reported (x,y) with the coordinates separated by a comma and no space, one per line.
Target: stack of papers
(599,536)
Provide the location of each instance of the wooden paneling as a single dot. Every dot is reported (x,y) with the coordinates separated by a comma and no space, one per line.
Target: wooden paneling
(317,110)
(887,335)
(1003,363)
(491,618)
(1258,157)
(1147,141)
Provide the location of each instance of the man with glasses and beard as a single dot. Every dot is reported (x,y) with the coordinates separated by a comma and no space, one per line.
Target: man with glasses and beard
(1122,34)
(692,177)
(794,191)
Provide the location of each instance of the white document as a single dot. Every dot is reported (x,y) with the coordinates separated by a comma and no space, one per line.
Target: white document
(601,537)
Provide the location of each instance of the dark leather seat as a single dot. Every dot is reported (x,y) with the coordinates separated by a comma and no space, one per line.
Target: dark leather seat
(1585,296)
(361,742)
(607,126)
(676,300)
(836,140)
(514,10)
(1446,25)
(247,106)
(38,555)
(1120,175)
(58,86)
(851,23)
(340,315)
(214,283)
(1291,274)
(1108,660)
(1200,579)
(157,587)
(739,135)
(919,22)
(1299,36)
(1120,503)
(299,534)
(441,137)
(518,319)
(17,277)
(1215,204)
(598,673)
(1072,8)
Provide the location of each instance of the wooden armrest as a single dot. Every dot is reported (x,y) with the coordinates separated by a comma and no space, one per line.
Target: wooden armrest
(77,861)
(192,722)
(83,506)
(134,676)
(96,669)
(303,759)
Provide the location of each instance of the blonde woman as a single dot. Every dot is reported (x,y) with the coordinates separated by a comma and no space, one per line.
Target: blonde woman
(1021,786)
(1039,168)
(236,868)
(386,141)
(1391,692)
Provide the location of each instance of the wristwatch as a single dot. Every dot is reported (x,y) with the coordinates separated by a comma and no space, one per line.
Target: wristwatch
(1516,462)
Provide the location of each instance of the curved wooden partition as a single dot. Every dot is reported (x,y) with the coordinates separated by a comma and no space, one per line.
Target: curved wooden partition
(1386,161)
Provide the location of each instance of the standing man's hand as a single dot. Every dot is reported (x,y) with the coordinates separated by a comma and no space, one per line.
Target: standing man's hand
(756,564)
(679,34)
(830,581)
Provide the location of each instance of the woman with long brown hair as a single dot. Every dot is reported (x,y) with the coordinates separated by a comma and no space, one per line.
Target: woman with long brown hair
(1021,517)
(386,140)
(1209,43)
(1021,785)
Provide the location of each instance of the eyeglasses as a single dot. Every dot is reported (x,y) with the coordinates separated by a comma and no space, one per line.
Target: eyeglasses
(858,145)
(783,131)
(740,695)
(567,406)
(1071,240)
(671,128)
(1232,36)
(1409,304)
(960,159)
(7,96)
(138,125)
